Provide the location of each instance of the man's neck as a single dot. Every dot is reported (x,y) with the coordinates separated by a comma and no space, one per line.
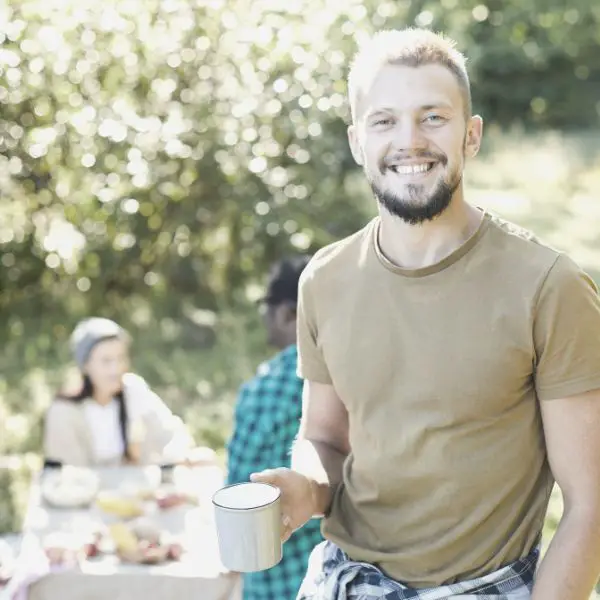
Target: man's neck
(419,246)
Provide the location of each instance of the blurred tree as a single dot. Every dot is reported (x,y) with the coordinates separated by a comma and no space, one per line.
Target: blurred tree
(156,156)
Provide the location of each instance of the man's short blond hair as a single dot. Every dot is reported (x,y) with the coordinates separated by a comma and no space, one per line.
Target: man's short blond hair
(410,47)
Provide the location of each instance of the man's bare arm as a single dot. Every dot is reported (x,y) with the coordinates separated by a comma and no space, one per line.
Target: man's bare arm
(322,444)
(571,566)
(317,458)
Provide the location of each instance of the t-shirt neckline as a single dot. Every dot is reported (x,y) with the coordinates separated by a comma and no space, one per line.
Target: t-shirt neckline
(449,260)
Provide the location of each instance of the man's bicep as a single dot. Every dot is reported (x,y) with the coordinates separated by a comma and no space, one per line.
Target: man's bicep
(571,428)
(324,416)
(311,362)
(566,333)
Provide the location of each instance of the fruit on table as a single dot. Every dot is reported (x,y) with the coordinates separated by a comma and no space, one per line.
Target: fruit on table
(131,547)
(170,499)
(175,551)
(146,529)
(90,549)
(58,555)
(126,508)
(152,553)
(125,540)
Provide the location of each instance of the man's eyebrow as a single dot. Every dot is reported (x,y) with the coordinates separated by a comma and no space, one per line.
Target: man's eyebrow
(437,105)
(424,107)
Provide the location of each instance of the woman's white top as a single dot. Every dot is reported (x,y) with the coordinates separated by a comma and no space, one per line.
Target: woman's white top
(86,433)
(105,429)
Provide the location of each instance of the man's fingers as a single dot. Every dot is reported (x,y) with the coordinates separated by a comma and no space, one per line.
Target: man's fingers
(286,529)
(274,477)
(286,533)
(267,476)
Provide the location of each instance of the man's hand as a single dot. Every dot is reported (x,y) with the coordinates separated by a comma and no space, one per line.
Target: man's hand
(317,459)
(298,502)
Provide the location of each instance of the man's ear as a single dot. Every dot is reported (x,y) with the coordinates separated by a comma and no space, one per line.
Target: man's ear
(474,135)
(355,145)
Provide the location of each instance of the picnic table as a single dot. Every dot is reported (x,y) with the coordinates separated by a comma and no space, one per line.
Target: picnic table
(198,575)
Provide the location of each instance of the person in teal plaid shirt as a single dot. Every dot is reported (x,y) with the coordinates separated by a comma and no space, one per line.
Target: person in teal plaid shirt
(267,417)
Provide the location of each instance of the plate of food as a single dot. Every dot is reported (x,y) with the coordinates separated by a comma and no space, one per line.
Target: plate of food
(142,542)
(70,487)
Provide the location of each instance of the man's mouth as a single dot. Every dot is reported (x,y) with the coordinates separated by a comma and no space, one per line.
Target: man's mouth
(413,169)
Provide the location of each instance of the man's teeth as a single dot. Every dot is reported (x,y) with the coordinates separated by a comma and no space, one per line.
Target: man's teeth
(411,169)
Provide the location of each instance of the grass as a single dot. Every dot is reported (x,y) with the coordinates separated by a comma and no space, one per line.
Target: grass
(546,182)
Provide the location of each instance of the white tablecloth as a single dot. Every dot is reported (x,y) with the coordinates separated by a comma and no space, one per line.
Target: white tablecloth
(198,576)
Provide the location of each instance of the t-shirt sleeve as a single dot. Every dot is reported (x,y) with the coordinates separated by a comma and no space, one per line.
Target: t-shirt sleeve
(567,333)
(311,363)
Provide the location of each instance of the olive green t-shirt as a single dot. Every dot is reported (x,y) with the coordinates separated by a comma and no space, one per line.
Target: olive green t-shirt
(441,370)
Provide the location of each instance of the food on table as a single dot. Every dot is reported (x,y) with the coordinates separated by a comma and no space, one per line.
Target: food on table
(124,507)
(69,487)
(149,553)
(123,537)
(60,556)
(140,542)
(91,549)
(170,499)
(146,493)
(175,551)
(146,529)
(60,550)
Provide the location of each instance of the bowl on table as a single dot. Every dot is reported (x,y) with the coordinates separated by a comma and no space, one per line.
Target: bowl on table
(69,487)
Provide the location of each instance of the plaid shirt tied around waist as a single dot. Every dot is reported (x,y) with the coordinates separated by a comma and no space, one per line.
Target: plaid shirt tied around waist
(333,576)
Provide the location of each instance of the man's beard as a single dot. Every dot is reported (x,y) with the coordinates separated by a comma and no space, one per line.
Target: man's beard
(410,209)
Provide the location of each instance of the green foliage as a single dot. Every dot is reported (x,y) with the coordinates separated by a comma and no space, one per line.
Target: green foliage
(161,154)
(157,156)
(15,479)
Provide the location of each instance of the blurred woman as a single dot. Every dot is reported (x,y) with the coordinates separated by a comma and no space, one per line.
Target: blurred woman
(115,417)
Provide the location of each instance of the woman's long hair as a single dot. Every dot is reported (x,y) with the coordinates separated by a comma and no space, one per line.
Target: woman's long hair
(87,391)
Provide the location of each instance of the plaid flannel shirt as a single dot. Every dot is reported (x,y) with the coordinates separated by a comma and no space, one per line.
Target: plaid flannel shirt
(267,417)
(332,575)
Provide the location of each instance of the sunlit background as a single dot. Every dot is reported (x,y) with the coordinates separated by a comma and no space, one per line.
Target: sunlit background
(157,156)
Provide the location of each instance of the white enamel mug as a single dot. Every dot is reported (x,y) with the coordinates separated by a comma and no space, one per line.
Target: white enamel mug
(248,518)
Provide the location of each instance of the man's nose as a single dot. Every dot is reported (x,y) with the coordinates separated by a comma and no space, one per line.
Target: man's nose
(409,136)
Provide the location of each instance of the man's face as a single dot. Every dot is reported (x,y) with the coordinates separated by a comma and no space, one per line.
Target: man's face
(411,138)
(272,316)
(269,312)
(280,323)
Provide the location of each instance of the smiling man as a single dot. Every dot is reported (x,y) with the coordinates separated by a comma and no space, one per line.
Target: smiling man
(451,365)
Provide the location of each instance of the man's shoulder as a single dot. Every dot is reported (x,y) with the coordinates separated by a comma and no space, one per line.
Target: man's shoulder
(281,367)
(338,254)
(275,380)
(282,363)
(521,238)
(522,246)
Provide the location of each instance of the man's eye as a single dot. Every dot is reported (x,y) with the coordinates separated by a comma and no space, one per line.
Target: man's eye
(381,122)
(434,119)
